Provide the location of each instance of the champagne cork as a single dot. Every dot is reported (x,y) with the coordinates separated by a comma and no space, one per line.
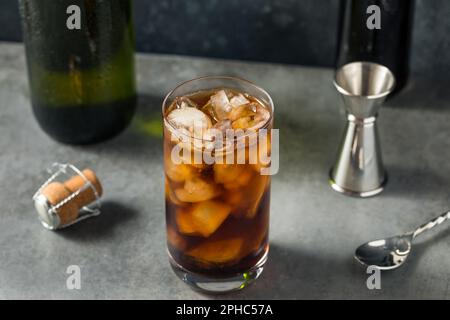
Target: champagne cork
(56,192)
(77,182)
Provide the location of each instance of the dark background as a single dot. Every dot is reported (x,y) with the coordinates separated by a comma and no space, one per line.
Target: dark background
(287,31)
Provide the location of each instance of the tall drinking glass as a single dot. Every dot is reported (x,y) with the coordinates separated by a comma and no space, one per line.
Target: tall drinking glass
(217,159)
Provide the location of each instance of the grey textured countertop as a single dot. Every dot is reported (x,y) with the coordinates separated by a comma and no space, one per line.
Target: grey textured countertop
(314,230)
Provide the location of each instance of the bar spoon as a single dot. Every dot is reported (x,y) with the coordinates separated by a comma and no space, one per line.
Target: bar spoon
(391,253)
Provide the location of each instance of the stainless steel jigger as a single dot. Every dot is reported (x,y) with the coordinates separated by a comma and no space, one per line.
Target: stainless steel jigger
(359,169)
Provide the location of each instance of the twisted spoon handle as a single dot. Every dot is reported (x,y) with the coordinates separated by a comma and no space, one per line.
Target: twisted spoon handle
(433,223)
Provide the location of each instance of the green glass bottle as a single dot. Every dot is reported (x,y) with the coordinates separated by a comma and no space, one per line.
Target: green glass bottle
(80,57)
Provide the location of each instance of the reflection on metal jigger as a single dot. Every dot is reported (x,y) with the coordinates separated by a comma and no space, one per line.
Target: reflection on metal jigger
(359,170)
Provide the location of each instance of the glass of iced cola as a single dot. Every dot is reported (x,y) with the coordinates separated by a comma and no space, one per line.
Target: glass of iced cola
(217,158)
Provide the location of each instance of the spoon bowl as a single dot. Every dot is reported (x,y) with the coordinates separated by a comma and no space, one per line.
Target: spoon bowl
(391,253)
(386,254)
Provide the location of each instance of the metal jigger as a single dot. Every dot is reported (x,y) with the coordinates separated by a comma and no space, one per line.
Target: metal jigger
(359,169)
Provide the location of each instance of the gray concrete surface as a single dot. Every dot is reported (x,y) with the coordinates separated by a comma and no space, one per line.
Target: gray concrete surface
(314,231)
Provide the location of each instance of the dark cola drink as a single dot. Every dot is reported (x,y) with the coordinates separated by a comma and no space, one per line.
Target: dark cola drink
(217,211)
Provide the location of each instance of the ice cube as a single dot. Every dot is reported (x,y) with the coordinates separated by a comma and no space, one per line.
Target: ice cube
(242,111)
(242,123)
(227,173)
(235,198)
(223,125)
(202,218)
(197,190)
(209,110)
(191,153)
(225,152)
(263,154)
(185,223)
(220,130)
(255,193)
(170,195)
(185,102)
(244,194)
(261,118)
(238,100)
(220,251)
(251,116)
(177,172)
(221,105)
(190,119)
(236,194)
(241,181)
